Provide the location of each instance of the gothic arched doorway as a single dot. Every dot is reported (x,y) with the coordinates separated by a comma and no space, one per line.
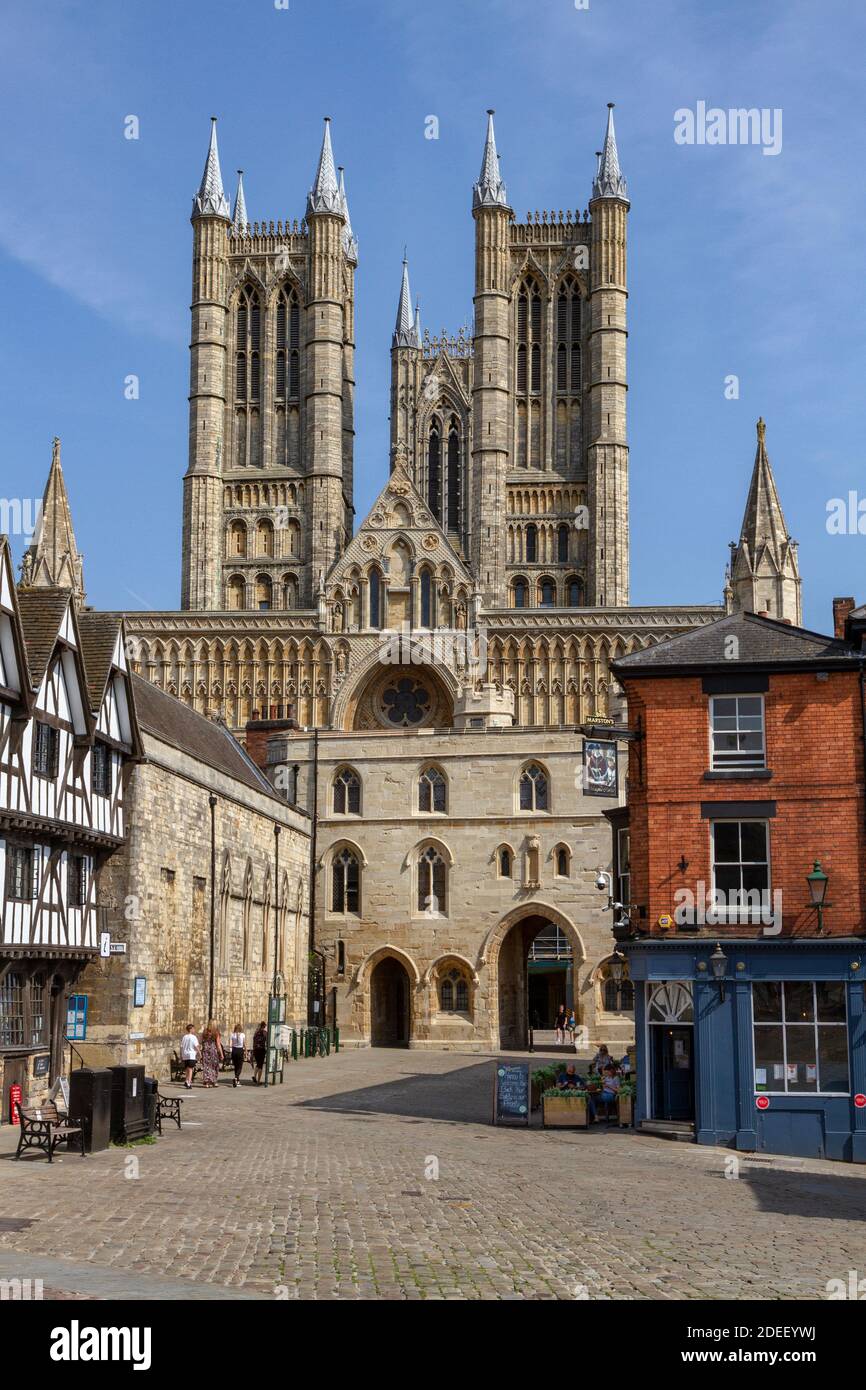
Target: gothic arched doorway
(536,963)
(389,1004)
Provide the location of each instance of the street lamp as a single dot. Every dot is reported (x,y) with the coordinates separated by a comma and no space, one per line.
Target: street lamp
(617,961)
(719,967)
(817,881)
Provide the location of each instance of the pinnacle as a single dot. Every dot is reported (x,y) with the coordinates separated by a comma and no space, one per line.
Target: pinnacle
(489,191)
(609,180)
(211,201)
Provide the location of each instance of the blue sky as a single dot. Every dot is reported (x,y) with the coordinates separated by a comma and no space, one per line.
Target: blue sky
(740,263)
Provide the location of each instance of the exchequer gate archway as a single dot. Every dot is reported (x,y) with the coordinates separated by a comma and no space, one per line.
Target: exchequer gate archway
(506,957)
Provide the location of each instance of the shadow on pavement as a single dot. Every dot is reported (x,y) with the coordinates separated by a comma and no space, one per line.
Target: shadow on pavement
(835,1196)
(464,1096)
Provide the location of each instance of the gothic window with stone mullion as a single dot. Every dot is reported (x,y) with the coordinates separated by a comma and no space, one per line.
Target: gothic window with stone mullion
(345,883)
(434,468)
(247,376)
(432,883)
(432,791)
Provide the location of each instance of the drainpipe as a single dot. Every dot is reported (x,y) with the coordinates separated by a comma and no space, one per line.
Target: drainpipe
(212,802)
(311,949)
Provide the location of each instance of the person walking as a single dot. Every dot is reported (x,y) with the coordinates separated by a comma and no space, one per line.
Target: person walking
(190,1047)
(238,1038)
(560,1023)
(260,1052)
(211,1054)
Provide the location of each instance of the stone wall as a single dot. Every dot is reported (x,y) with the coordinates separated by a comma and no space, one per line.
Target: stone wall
(473,933)
(156,892)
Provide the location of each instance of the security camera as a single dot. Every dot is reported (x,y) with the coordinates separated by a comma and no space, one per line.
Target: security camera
(601,883)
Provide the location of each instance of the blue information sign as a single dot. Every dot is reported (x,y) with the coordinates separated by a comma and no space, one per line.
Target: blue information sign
(76,1017)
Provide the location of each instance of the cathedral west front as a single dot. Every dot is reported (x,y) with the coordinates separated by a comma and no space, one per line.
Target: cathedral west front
(433,685)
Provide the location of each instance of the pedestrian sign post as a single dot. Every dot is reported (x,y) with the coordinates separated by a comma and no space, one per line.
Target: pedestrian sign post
(276,1022)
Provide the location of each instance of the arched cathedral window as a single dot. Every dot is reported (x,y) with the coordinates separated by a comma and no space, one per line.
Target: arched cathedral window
(375,598)
(434,466)
(248,344)
(288,345)
(569,375)
(529,373)
(453,523)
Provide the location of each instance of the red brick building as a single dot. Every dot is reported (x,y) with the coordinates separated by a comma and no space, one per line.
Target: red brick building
(746,772)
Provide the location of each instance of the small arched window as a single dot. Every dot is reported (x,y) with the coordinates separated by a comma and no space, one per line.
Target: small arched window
(265,538)
(617,995)
(547,593)
(454,992)
(563,861)
(562,545)
(520,590)
(533,789)
(432,883)
(236,593)
(264,592)
(504,862)
(237,538)
(531,544)
(375,598)
(432,791)
(345,883)
(575,593)
(347,793)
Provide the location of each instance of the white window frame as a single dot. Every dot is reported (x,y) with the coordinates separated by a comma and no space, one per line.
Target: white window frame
(741,916)
(732,761)
(816,1024)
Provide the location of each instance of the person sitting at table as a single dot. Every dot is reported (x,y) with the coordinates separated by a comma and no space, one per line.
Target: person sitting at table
(601,1059)
(568,1079)
(609,1093)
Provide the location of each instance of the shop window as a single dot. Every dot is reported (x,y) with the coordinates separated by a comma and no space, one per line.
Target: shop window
(801,1036)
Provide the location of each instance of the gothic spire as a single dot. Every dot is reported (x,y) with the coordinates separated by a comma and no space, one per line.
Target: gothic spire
(609,181)
(324,196)
(405,331)
(52,561)
(765,574)
(489,191)
(350,241)
(211,201)
(239,216)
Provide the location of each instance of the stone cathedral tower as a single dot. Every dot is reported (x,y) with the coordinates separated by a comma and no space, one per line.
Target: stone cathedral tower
(268,490)
(515,434)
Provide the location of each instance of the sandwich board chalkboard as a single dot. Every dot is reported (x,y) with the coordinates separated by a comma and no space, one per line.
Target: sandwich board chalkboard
(511,1097)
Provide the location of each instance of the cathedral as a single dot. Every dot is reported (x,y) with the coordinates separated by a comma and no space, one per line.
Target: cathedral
(433,686)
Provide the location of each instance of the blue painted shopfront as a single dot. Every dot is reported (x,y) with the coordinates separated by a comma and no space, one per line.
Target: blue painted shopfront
(789,1026)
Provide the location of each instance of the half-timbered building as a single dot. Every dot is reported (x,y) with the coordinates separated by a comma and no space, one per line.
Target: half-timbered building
(67,734)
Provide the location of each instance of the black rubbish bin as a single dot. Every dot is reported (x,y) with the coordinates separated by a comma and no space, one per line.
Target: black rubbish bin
(127,1103)
(90,1105)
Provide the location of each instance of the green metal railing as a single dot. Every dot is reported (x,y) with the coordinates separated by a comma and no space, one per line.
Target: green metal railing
(313,1042)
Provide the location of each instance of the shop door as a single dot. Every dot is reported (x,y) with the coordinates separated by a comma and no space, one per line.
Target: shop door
(673,1073)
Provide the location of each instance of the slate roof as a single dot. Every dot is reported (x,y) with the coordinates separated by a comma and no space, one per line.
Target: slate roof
(762,642)
(98,633)
(42,612)
(173,722)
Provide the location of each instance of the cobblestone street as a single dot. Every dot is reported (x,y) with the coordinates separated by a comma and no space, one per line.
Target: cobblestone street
(317,1189)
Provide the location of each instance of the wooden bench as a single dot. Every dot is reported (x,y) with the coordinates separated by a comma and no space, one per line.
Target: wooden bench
(167,1108)
(43,1127)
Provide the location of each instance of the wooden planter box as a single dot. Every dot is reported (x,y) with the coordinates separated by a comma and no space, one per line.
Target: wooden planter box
(564,1112)
(625,1106)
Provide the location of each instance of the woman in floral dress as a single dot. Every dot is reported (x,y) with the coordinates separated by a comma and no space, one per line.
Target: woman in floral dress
(211,1054)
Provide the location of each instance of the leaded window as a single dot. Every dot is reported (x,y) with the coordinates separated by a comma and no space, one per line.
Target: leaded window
(12,1010)
(100,769)
(345,882)
(432,883)
(432,791)
(347,793)
(46,749)
(533,789)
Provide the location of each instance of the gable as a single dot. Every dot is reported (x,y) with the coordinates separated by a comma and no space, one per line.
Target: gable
(399,522)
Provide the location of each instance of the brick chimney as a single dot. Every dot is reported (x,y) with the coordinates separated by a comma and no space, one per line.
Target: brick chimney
(841,608)
(258,731)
